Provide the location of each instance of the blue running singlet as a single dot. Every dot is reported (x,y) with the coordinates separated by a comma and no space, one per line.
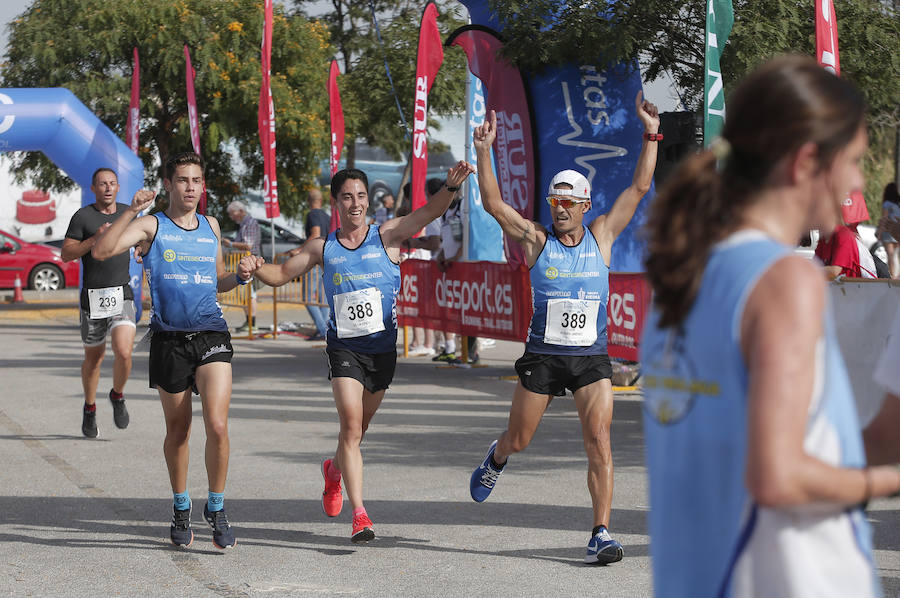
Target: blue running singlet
(362,286)
(181,268)
(569,293)
(707,536)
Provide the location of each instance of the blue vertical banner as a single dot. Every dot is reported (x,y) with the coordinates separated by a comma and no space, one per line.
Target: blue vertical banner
(485,235)
(584,119)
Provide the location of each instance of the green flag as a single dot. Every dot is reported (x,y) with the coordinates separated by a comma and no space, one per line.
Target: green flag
(719,18)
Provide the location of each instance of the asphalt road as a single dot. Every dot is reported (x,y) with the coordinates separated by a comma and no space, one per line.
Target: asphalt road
(83,517)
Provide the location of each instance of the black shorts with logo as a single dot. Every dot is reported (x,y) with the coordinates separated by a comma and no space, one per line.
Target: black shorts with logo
(553,374)
(175,357)
(374,370)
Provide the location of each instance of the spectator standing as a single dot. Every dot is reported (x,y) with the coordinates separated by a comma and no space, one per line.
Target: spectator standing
(890,210)
(318,221)
(451,250)
(420,248)
(844,253)
(246,239)
(385,211)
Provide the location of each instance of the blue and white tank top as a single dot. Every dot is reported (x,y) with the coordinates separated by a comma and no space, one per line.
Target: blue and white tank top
(181,268)
(707,536)
(569,293)
(362,286)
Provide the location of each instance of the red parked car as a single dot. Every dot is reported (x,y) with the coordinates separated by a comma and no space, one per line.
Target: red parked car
(39,267)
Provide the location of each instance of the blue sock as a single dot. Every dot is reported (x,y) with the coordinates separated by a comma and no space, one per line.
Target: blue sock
(182,501)
(215,501)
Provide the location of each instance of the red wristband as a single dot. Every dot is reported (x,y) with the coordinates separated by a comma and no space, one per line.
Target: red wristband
(653,136)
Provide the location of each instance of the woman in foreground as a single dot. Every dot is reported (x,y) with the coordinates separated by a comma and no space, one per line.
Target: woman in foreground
(756,461)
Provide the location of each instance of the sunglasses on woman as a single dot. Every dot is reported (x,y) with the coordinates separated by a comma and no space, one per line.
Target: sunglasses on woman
(565,202)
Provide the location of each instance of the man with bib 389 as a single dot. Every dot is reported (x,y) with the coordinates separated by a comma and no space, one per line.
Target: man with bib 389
(566,346)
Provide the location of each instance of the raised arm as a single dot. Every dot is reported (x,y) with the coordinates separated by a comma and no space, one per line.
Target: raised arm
(397,230)
(529,235)
(781,367)
(125,232)
(608,226)
(305,259)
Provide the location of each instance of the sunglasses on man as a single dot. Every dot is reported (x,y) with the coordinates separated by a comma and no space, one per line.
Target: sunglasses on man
(565,202)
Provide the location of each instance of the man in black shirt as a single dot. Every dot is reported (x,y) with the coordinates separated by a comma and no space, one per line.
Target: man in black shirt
(317,226)
(107,300)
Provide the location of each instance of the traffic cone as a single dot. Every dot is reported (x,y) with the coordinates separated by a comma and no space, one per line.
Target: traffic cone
(17,294)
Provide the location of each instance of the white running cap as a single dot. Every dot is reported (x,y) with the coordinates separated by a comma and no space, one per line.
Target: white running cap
(580,185)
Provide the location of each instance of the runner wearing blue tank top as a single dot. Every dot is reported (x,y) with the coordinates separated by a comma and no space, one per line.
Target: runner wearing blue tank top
(756,463)
(190,347)
(361,264)
(566,347)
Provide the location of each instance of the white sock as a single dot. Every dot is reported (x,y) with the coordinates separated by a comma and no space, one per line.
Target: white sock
(450,346)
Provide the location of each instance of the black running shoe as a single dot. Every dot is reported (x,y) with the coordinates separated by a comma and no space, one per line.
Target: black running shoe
(180,531)
(120,413)
(223,537)
(89,424)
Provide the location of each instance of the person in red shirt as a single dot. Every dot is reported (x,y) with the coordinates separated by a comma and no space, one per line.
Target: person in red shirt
(843,253)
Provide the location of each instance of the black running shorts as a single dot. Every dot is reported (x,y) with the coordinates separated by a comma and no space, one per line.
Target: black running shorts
(175,357)
(553,374)
(375,371)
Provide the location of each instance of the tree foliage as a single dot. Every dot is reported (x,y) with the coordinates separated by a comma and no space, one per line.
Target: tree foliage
(370,107)
(86,46)
(668,37)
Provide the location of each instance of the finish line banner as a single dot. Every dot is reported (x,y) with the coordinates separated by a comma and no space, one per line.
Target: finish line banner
(470,298)
(494,301)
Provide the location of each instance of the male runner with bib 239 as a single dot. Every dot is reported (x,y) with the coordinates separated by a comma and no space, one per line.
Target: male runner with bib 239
(566,345)
(362,279)
(107,300)
(190,347)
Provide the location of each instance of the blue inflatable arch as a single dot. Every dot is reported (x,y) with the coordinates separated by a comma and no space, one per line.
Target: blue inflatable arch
(54,121)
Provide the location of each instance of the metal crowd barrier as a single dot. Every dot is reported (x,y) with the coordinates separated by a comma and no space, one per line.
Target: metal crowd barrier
(302,290)
(240,295)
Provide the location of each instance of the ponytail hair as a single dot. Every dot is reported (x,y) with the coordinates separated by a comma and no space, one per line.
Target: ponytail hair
(783,104)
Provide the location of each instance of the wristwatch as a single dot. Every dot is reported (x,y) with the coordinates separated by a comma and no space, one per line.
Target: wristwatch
(451,189)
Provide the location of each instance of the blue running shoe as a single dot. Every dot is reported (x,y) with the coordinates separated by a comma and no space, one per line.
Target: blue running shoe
(602,549)
(223,537)
(180,531)
(484,477)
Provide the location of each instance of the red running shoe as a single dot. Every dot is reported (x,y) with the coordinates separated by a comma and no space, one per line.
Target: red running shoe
(363,530)
(332,497)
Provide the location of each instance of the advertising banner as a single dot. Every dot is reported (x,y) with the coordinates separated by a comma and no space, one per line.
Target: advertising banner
(470,298)
(266,119)
(189,75)
(485,237)
(719,19)
(629,303)
(133,126)
(827,37)
(428,62)
(585,120)
(514,146)
(336,111)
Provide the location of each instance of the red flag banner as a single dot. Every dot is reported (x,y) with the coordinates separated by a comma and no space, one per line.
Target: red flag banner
(827,37)
(514,147)
(189,75)
(266,119)
(132,128)
(428,62)
(629,304)
(337,117)
(336,111)
(470,298)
